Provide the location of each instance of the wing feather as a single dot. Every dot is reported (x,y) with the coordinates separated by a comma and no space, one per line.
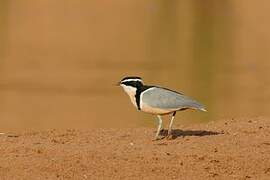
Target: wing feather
(167,99)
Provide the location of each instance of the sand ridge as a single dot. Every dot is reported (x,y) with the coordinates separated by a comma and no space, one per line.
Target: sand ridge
(225,149)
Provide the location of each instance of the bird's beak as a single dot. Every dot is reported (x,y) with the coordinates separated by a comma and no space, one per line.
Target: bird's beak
(118,84)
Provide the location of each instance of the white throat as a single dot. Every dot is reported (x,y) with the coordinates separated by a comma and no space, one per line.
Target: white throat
(131,91)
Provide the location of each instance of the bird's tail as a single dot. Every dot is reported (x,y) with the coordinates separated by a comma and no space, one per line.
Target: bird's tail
(198,106)
(203,109)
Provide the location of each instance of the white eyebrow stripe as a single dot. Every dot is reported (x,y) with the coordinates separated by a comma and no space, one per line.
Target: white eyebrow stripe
(128,80)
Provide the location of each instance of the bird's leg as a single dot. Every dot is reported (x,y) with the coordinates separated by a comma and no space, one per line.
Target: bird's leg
(157,137)
(171,124)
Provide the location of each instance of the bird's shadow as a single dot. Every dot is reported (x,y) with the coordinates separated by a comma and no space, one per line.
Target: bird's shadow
(183,133)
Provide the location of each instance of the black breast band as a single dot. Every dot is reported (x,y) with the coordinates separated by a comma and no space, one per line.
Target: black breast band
(138,95)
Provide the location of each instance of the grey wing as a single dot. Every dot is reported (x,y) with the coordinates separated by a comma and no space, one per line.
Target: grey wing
(166,99)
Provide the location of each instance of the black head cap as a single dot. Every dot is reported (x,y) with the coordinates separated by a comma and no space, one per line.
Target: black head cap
(133,81)
(131,78)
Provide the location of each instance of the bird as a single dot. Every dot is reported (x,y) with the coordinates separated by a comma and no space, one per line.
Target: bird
(157,100)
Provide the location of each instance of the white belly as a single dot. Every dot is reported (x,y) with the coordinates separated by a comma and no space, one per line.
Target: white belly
(153,110)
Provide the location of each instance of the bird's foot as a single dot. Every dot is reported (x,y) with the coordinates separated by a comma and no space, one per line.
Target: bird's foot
(159,137)
(169,135)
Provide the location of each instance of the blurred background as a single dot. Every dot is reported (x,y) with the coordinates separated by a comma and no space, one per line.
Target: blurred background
(59,60)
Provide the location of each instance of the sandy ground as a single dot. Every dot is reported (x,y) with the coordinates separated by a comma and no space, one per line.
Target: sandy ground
(225,149)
